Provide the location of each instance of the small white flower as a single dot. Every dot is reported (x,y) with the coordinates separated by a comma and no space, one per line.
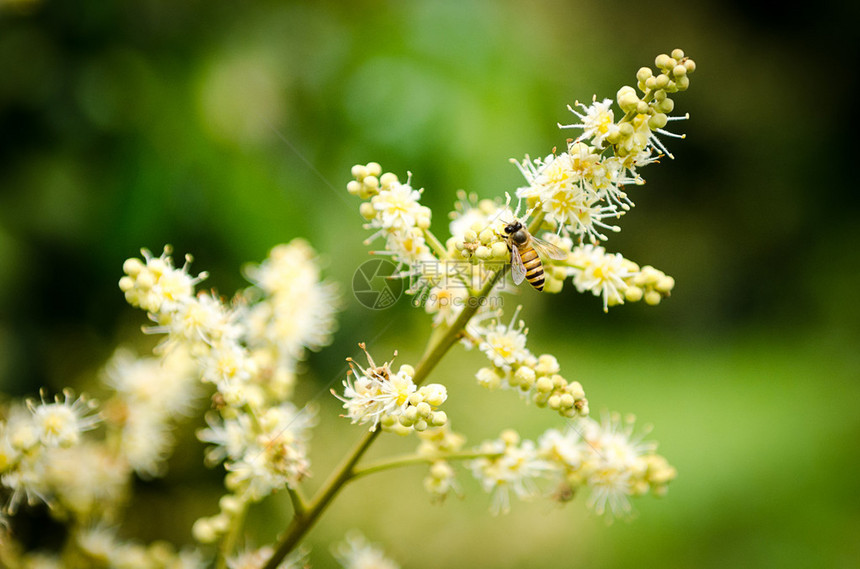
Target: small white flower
(156,285)
(504,346)
(62,422)
(515,469)
(601,273)
(398,208)
(355,552)
(598,121)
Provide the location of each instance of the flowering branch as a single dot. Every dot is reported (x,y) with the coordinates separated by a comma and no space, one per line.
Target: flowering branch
(246,352)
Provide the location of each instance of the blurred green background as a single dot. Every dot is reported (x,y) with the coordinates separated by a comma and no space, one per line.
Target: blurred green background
(224,128)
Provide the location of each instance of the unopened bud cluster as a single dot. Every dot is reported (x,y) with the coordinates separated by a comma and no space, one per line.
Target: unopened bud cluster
(536,378)
(477,229)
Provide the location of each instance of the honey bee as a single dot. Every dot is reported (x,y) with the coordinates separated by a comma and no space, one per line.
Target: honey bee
(525,254)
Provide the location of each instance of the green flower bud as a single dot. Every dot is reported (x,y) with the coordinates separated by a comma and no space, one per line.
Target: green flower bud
(663,61)
(367,210)
(658,120)
(644,74)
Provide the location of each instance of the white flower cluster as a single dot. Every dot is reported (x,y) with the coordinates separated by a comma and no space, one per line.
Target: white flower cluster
(512,465)
(513,366)
(394,212)
(616,279)
(609,460)
(355,552)
(377,396)
(581,188)
(50,453)
(100,547)
(249,351)
(42,442)
(605,458)
(442,278)
(149,393)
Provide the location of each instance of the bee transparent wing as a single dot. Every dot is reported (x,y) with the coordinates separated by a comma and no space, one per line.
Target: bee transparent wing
(518,270)
(548,249)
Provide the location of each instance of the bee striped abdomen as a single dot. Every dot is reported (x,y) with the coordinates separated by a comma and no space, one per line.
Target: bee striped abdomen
(533,266)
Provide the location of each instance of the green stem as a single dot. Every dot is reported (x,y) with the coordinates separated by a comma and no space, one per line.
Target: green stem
(415,458)
(436,348)
(435,244)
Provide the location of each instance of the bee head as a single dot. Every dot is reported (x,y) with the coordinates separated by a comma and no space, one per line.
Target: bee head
(513,227)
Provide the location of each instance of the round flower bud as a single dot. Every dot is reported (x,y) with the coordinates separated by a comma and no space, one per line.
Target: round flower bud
(499,250)
(678,53)
(633,294)
(663,61)
(203,531)
(487,235)
(358,171)
(230,504)
(682,83)
(483,252)
(489,378)
(667,105)
(434,393)
(627,99)
(679,71)
(387,180)
(470,236)
(423,409)
(653,298)
(544,384)
(642,108)
(547,364)
(665,284)
(658,120)
(554,402)
(576,390)
(373,168)
(524,377)
(420,425)
(438,418)
(690,65)
(644,74)
(367,210)
(132,266)
(651,83)
(371,182)
(566,401)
